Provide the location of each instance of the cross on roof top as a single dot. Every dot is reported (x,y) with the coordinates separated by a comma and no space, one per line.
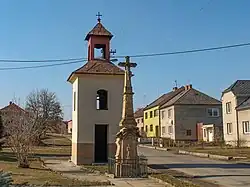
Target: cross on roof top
(98,17)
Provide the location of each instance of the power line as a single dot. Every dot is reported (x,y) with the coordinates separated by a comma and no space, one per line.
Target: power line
(187,51)
(40,66)
(77,60)
(46,60)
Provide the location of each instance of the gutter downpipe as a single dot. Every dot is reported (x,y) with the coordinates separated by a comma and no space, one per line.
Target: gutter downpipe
(237,129)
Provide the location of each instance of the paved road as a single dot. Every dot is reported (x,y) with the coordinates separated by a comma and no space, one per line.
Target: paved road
(218,172)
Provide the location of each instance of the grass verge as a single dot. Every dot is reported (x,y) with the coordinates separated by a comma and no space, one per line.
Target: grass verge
(38,175)
(173,181)
(102,169)
(235,152)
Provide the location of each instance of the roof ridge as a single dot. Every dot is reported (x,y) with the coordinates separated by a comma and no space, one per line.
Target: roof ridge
(242,102)
(185,92)
(98,30)
(206,95)
(155,100)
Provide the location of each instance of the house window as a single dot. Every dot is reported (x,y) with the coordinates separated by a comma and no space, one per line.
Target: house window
(204,133)
(102,100)
(138,120)
(74,101)
(151,128)
(228,107)
(142,120)
(156,113)
(229,128)
(146,128)
(213,112)
(163,129)
(246,127)
(169,113)
(170,129)
(162,114)
(146,115)
(188,132)
(151,114)
(142,129)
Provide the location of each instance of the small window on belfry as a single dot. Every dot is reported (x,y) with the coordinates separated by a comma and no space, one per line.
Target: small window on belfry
(102,100)
(99,52)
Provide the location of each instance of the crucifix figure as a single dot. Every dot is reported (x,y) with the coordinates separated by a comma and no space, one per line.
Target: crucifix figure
(128,152)
(98,17)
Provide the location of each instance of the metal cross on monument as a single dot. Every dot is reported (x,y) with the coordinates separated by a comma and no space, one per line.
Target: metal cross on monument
(98,17)
(112,51)
(127,111)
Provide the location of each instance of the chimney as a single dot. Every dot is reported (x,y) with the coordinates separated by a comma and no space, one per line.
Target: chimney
(175,88)
(10,102)
(187,87)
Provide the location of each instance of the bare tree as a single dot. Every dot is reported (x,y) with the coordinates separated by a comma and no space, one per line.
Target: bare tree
(45,108)
(20,135)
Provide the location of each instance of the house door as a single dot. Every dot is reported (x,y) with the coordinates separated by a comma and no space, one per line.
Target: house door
(157,131)
(210,135)
(101,143)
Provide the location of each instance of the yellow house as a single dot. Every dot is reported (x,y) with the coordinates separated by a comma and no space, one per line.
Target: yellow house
(151,122)
(151,113)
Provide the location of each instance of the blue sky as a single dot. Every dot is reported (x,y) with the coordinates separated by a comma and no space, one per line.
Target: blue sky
(49,29)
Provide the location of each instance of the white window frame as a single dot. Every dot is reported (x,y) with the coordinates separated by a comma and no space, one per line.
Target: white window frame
(246,127)
(229,107)
(156,112)
(162,114)
(163,129)
(231,128)
(213,110)
(170,129)
(170,113)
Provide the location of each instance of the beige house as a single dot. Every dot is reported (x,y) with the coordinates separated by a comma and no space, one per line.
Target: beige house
(180,115)
(97,101)
(139,119)
(236,113)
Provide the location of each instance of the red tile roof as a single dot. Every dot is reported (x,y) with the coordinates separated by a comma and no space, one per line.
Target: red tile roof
(138,113)
(12,107)
(98,66)
(99,30)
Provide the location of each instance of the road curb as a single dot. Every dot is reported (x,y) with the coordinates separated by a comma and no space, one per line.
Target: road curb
(243,163)
(206,155)
(154,147)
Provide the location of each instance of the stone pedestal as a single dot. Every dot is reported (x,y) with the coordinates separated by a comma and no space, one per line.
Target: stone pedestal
(127,160)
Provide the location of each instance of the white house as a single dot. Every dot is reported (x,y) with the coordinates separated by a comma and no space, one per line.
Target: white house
(236,115)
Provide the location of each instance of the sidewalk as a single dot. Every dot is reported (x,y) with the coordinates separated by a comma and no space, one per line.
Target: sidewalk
(69,170)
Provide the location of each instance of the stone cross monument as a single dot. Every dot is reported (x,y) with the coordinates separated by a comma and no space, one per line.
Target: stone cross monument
(126,139)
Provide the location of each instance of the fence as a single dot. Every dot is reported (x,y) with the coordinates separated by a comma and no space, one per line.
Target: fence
(169,143)
(131,168)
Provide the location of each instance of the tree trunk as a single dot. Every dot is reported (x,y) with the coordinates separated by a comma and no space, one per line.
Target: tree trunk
(23,162)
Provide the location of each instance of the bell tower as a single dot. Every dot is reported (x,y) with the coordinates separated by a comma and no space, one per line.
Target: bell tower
(99,39)
(97,101)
